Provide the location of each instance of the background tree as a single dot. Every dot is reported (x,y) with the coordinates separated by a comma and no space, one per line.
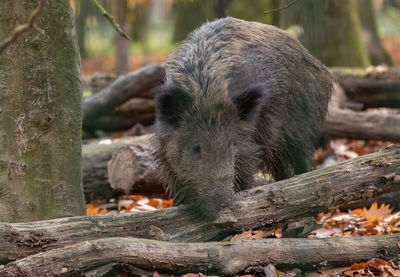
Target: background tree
(376,52)
(190,14)
(122,44)
(141,26)
(84,8)
(40,115)
(255,11)
(331,30)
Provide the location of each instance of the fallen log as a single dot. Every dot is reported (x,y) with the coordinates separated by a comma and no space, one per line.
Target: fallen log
(362,125)
(124,88)
(95,156)
(339,123)
(222,258)
(133,111)
(370,89)
(131,171)
(271,206)
(100,81)
(118,122)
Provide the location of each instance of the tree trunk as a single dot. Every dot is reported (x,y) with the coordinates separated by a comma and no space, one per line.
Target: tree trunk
(82,12)
(331,30)
(254,12)
(377,54)
(141,27)
(40,115)
(188,15)
(217,258)
(122,44)
(221,8)
(289,203)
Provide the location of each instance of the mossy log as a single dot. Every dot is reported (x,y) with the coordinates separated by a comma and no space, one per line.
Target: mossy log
(221,258)
(282,204)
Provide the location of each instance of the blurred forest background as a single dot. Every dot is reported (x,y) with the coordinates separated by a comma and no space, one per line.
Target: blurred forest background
(354,33)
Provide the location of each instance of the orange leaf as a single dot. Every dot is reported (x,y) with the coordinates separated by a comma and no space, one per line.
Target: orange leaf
(167,203)
(248,235)
(381,212)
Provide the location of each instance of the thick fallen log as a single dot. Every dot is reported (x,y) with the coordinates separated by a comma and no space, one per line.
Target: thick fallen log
(124,88)
(133,111)
(362,125)
(95,156)
(370,89)
(339,123)
(222,258)
(131,171)
(277,205)
(100,81)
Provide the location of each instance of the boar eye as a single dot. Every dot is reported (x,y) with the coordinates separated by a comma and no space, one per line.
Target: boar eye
(197,149)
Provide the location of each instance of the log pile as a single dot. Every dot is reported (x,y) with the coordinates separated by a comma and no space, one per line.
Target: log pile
(127,101)
(286,204)
(139,108)
(169,241)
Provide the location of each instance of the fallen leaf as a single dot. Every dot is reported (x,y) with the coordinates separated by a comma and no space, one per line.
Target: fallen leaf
(248,235)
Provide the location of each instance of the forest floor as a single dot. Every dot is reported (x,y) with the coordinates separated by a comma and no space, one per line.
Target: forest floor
(373,220)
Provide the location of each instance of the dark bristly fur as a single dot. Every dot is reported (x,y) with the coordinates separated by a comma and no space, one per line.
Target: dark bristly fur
(238,97)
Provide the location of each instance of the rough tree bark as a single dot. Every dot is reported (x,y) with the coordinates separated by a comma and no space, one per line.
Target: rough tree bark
(331,30)
(221,258)
(40,115)
(287,204)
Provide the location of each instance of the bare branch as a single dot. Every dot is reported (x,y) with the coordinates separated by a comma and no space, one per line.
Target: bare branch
(281,8)
(110,19)
(20,29)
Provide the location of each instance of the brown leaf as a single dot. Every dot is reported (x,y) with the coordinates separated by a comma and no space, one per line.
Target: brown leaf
(248,235)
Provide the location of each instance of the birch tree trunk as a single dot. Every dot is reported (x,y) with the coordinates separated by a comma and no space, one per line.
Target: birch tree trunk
(40,115)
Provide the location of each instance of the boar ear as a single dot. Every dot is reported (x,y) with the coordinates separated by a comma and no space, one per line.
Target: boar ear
(171,104)
(249,102)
